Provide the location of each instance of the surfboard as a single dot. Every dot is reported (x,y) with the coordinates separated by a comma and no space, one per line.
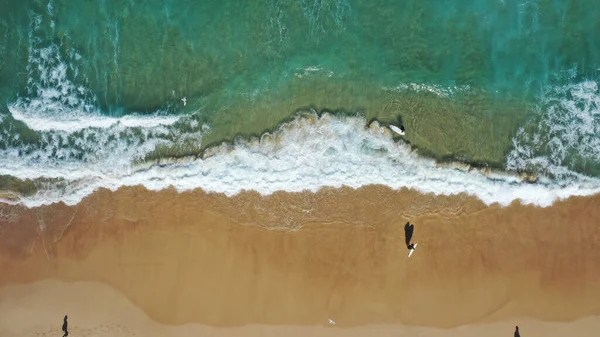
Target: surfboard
(412,250)
(397,130)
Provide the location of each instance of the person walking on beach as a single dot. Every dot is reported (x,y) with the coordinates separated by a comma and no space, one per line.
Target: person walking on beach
(64,327)
(517,334)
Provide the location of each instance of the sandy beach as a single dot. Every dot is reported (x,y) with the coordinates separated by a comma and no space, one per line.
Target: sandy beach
(134,262)
(219,168)
(112,315)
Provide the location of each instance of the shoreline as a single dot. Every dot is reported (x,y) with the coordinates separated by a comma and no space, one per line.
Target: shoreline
(374,157)
(299,258)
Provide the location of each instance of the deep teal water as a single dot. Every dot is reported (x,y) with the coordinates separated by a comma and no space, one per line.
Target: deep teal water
(135,53)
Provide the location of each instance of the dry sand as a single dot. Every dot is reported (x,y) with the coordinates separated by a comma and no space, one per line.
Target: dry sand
(96,310)
(286,263)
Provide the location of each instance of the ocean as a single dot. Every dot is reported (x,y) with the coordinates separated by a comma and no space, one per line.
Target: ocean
(499,98)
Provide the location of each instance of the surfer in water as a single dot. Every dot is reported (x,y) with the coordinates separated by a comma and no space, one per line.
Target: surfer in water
(64,327)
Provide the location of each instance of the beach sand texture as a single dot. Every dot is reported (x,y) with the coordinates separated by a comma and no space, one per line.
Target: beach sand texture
(286,263)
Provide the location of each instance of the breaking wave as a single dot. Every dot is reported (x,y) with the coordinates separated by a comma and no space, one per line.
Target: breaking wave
(564,139)
(308,153)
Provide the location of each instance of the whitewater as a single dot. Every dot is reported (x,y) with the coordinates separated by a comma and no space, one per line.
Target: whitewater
(78,150)
(308,153)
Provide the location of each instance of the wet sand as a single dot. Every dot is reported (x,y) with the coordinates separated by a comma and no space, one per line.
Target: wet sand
(292,261)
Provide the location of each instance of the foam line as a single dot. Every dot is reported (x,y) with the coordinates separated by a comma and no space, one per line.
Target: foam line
(79,121)
(308,153)
(566,131)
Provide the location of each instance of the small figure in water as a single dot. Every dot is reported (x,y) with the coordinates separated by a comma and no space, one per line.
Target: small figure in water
(517,334)
(64,327)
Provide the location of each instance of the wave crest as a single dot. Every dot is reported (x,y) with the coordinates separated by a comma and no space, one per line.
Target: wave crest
(308,153)
(564,141)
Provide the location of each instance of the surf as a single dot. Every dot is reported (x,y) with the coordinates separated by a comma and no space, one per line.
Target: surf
(564,139)
(306,154)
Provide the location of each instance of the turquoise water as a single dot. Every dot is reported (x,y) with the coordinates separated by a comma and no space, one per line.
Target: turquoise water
(136,53)
(500,83)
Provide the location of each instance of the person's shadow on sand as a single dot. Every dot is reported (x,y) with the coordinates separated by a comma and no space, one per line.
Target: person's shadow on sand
(64,327)
(517,334)
(408,233)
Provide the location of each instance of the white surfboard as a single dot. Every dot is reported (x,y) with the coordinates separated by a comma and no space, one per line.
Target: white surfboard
(412,250)
(397,130)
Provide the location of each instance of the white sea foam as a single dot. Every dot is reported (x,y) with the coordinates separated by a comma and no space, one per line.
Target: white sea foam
(566,131)
(312,70)
(55,102)
(76,121)
(439,90)
(306,154)
(92,152)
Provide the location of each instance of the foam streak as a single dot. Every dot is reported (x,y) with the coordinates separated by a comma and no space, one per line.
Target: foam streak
(308,154)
